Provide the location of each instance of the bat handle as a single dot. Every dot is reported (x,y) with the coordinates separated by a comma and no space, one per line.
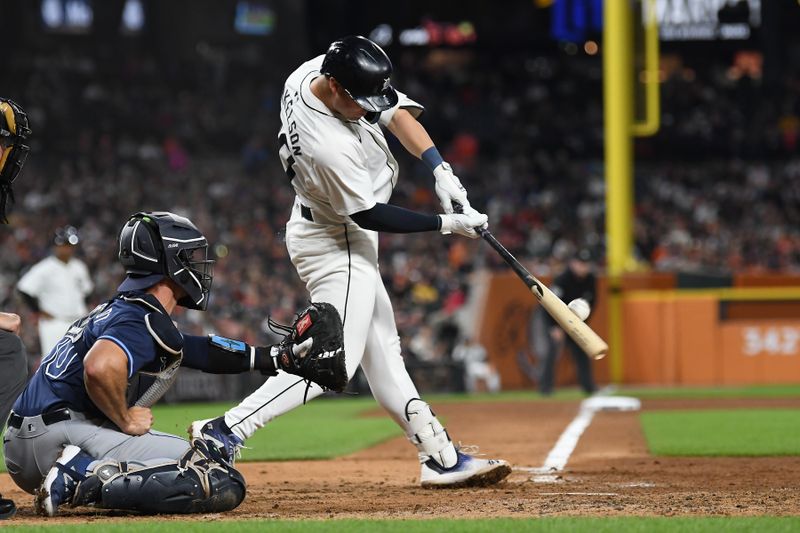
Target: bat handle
(458,208)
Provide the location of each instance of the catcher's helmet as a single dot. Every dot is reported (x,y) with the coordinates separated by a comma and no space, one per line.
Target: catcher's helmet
(364,70)
(14,132)
(157,244)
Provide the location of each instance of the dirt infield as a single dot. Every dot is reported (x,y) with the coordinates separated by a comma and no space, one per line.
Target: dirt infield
(609,474)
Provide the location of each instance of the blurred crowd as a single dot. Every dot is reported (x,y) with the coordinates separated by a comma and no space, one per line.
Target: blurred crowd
(717,190)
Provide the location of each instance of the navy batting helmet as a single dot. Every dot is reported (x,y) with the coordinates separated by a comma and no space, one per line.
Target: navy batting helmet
(364,70)
(14,132)
(158,244)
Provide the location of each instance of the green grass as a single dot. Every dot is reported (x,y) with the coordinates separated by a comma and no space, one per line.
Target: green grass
(318,430)
(732,432)
(550,525)
(755,391)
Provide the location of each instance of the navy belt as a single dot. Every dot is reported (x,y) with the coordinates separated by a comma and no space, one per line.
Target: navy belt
(306,213)
(50,417)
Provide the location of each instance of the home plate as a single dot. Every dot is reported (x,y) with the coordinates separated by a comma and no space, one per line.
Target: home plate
(541,474)
(547,478)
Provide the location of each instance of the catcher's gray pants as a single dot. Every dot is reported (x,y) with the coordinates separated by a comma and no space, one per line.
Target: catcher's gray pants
(13,372)
(32,449)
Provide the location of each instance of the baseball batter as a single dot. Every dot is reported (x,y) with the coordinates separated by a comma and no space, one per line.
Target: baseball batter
(14,133)
(80,433)
(337,159)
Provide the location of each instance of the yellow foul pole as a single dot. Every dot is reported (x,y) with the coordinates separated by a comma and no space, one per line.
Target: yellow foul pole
(618,110)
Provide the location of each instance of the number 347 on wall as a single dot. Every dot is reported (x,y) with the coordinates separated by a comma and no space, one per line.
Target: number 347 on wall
(771,341)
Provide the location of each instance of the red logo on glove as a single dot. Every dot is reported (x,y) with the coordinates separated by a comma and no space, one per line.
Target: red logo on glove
(303,324)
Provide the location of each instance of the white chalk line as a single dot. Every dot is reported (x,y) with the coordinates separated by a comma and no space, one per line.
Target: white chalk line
(558,457)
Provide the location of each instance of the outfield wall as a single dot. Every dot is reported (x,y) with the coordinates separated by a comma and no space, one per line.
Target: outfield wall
(745,333)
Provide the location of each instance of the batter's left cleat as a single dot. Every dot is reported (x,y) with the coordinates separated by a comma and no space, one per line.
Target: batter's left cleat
(61,480)
(468,471)
(216,432)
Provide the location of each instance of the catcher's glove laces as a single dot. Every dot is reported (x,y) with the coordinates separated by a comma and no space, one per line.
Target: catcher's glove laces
(278,328)
(283,329)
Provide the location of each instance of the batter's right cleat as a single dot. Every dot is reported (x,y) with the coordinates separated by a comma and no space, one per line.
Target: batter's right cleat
(216,432)
(61,480)
(468,471)
(7,508)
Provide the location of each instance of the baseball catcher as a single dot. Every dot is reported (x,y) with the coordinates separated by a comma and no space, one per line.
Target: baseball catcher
(80,433)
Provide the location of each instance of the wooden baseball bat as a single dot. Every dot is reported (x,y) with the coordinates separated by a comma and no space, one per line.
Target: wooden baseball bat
(589,341)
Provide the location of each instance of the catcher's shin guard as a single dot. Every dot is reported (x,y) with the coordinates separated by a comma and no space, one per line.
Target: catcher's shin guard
(196,483)
(429,436)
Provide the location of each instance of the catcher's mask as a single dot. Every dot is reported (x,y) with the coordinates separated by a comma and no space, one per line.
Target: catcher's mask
(14,132)
(158,244)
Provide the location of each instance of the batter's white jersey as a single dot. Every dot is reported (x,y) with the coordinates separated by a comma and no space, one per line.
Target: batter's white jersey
(337,167)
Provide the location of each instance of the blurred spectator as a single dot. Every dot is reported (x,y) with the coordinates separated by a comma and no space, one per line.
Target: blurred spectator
(476,365)
(547,337)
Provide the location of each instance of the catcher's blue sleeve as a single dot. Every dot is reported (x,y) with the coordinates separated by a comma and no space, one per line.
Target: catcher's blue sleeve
(220,355)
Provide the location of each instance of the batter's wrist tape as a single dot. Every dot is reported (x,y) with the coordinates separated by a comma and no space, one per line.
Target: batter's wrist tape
(432,158)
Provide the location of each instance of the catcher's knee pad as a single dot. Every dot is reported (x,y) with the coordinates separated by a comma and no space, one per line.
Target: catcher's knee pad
(196,483)
(428,434)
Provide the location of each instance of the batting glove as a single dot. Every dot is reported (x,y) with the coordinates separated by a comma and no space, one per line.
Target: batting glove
(448,188)
(463,223)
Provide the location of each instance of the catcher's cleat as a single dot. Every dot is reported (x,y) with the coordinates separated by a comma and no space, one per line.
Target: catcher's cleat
(62,480)
(215,432)
(7,508)
(468,471)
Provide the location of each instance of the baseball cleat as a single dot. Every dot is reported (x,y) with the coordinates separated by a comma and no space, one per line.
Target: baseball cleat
(468,471)
(7,508)
(215,432)
(61,480)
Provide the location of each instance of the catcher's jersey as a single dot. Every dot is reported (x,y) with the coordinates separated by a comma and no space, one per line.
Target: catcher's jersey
(59,379)
(336,167)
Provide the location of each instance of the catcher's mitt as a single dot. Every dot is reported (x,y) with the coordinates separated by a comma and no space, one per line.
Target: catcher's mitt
(324,361)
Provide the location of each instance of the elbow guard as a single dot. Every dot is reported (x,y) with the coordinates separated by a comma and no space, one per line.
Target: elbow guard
(234,356)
